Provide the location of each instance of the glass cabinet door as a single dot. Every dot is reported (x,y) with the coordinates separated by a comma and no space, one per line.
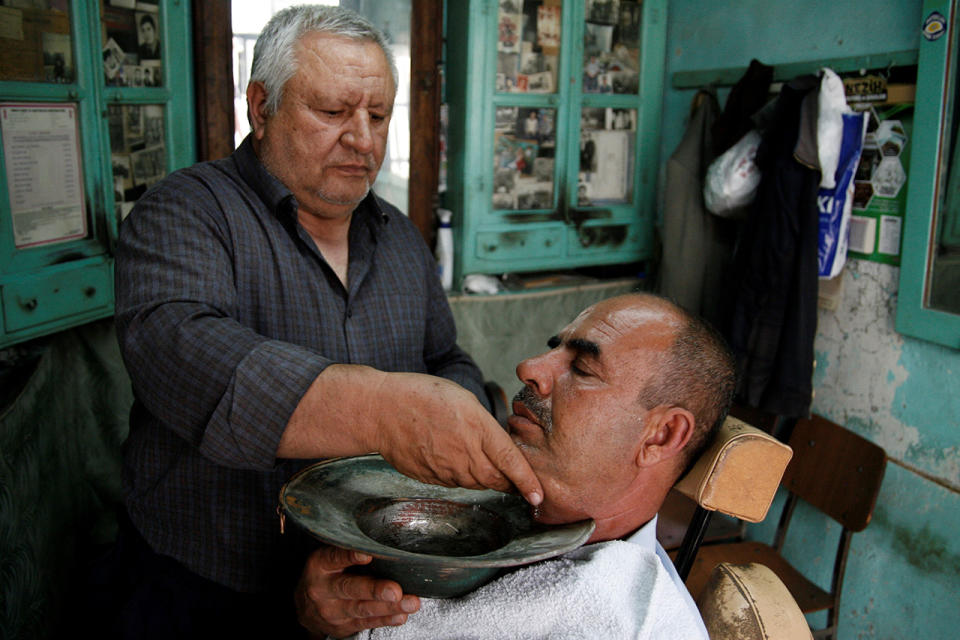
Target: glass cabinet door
(565,97)
(88,90)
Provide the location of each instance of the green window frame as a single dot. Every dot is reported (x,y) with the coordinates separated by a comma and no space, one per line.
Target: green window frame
(51,287)
(934,119)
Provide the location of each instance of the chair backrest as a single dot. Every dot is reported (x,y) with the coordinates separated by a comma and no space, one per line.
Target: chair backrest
(737,475)
(739,472)
(749,602)
(835,470)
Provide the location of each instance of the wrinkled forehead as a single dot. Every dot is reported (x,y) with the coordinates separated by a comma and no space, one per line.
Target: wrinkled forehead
(337,53)
(622,327)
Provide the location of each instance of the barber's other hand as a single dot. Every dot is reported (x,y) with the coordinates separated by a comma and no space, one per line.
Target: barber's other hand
(435,431)
(331,602)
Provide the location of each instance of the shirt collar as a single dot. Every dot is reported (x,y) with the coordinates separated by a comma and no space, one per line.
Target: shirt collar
(645,536)
(272,192)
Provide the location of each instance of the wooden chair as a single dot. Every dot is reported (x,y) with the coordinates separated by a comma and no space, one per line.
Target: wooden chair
(835,471)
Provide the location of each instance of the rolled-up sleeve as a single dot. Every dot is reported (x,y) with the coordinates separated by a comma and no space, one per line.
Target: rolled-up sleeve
(215,382)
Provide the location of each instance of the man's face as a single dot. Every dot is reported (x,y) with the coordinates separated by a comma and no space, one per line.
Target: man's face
(577,419)
(328,137)
(147,32)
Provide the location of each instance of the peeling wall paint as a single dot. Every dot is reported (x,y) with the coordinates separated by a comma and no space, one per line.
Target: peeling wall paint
(894,390)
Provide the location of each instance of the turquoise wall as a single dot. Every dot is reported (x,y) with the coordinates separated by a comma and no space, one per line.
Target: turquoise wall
(903,575)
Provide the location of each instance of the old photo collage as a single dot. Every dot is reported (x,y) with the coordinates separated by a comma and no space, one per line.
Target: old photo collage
(131,43)
(611,46)
(528,45)
(523,151)
(138,154)
(131,58)
(607,142)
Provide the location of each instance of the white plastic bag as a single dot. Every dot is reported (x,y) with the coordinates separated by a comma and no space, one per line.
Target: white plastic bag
(731,181)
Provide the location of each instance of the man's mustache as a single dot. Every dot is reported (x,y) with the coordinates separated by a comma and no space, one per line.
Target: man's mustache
(535,405)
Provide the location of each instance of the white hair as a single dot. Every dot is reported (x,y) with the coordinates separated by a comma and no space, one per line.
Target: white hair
(274,56)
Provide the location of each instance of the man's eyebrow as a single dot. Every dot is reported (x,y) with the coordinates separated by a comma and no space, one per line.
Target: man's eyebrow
(577,344)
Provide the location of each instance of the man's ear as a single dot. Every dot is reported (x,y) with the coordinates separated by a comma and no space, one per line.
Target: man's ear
(666,433)
(257,108)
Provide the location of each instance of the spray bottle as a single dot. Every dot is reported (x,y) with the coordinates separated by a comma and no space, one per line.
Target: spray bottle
(445,249)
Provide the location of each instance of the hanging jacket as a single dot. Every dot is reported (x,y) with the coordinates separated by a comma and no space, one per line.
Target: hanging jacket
(774,292)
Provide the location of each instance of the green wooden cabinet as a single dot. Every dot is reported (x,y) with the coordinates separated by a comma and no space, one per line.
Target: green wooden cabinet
(93,97)
(553,132)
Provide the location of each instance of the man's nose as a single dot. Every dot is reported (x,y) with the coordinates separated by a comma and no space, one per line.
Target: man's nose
(358,135)
(537,373)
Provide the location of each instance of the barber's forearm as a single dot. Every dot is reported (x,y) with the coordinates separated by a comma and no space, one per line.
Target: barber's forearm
(428,428)
(337,415)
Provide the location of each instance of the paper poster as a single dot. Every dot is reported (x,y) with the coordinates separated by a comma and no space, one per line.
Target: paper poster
(41,150)
(880,188)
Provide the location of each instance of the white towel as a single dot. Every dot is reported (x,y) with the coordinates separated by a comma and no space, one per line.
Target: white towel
(610,589)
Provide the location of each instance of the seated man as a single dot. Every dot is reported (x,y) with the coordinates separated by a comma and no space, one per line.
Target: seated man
(627,397)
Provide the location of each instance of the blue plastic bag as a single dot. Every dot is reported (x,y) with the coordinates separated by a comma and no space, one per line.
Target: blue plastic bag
(835,204)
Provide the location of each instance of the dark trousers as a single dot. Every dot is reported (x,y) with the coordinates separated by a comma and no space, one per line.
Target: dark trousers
(135,593)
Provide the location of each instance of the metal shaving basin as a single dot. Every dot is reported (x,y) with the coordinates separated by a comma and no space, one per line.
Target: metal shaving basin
(431,526)
(434,541)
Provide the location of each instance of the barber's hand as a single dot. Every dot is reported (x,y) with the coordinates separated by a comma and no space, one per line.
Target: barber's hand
(435,431)
(331,602)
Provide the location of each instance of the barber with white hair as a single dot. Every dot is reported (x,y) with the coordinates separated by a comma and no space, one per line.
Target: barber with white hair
(272,310)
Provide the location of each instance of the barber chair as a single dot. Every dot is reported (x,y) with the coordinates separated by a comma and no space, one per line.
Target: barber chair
(838,473)
(738,475)
(749,602)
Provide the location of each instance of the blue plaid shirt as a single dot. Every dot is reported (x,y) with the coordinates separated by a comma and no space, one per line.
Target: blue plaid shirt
(226,312)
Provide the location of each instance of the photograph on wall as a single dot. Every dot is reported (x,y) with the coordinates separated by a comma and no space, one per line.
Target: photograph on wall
(509,28)
(528,46)
(629,19)
(113,63)
(35,42)
(505,118)
(621,119)
(132,76)
(132,47)
(152,125)
(152,73)
(515,154)
(534,124)
(548,27)
(148,36)
(602,11)
(524,149)
(120,26)
(611,46)
(57,57)
(607,141)
(138,150)
(148,165)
